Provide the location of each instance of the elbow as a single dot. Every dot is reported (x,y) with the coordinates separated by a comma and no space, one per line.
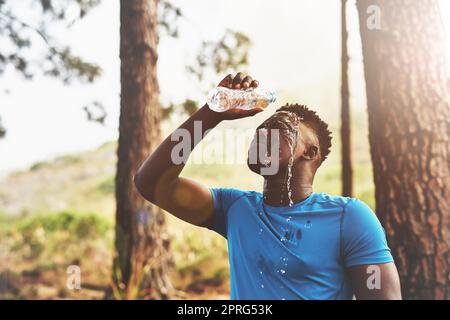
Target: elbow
(142,186)
(137,180)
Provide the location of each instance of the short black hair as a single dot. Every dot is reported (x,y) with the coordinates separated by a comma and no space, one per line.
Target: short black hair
(319,126)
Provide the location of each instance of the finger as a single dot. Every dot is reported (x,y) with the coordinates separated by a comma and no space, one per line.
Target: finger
(237,80)
(254,111)
(254,83)
(246,82)
(227,81)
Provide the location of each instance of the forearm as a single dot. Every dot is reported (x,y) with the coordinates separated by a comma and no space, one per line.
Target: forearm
(160,169)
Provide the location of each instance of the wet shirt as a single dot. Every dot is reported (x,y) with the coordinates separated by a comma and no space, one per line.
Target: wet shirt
(297,252)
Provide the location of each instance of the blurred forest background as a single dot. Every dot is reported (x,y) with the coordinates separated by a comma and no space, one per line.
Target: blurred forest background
(83,99)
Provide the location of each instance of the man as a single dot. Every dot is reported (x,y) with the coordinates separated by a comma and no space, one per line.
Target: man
(289,242)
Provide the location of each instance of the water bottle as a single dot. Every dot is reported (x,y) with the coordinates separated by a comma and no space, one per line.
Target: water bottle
(222,99)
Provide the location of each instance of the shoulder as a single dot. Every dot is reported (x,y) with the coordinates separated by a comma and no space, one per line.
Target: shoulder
(233,193)
(350,206)
(360,221)
(228,196)
(331,201)
(355,214)
(356,211)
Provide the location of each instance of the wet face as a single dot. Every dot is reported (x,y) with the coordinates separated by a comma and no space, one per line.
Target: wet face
(280,141)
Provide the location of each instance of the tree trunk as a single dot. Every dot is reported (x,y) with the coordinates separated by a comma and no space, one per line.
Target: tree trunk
(347,175)
(409,130)
(142,247)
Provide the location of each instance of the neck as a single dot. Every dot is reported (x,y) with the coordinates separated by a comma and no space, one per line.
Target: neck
(276,191)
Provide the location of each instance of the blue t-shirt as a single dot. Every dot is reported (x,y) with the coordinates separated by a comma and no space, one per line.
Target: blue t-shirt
(297,252)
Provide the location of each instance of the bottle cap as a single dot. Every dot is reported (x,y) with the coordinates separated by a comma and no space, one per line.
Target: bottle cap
(272,97)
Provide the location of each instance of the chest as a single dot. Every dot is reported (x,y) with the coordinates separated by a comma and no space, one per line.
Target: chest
(294,244)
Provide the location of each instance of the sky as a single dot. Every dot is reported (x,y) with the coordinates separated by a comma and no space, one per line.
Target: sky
(295,52)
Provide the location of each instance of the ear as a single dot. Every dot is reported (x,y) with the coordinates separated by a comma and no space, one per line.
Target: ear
(310,153)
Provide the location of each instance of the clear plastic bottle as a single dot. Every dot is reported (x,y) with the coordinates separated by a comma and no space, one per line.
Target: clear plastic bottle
(222,99)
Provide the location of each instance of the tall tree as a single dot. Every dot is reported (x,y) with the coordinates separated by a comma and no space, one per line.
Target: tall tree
(347,175)
(409,130)
(142,256)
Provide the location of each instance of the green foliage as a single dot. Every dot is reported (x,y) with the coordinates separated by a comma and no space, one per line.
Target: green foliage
(77,224)
(46,236)
(107,186)
(23,36)
(226,55)
(230,52)
(168,16)
(200,256)
(68,159)
(58,8)
(2,129)
(96,112)
(108,145)
(39,165)
(3,217)
(66,66)
(64,160)
(42,246)
(368,196)
(20,37)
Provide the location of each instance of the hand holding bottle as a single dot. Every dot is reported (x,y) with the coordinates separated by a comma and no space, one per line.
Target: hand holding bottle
(238,97)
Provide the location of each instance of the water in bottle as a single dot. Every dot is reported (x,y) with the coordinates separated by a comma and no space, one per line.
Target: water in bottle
(222,99)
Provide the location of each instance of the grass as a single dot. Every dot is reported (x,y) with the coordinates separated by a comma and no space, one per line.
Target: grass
(39,165)
(39,249)
(106,186)
(42,246)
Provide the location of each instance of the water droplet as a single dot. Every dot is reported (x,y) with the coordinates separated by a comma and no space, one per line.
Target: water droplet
(292,147)
(262,286)
(282,271)
(287,122)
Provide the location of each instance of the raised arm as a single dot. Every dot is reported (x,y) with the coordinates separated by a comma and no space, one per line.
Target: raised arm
(158,179)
